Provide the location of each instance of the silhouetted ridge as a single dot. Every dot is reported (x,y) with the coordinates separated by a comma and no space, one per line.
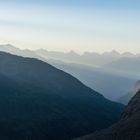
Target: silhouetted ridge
(40,102)
(128,128)
(94,77)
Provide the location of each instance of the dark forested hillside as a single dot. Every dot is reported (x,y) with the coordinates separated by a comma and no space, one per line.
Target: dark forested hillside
(40,102)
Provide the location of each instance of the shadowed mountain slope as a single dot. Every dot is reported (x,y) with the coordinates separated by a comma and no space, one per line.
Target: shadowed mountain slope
(112,86)
(40,102)
(128,128)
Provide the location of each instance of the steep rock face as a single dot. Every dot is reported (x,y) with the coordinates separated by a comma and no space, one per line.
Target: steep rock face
(128,128)
(126,98)
(40,102)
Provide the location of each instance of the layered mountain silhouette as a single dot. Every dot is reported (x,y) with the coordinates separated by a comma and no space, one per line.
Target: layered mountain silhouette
(16,51)
(40,102)
(126,65)
(92,59)
(88,58)
(126,98)
(128,128)
(112,85)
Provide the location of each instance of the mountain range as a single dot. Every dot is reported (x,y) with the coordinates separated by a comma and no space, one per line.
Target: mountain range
(111,84)
(88,58)
(41,102)
(126,65)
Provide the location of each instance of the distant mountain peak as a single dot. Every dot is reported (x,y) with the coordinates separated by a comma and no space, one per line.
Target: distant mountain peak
(115,52)
(128,54)
(112,53)
(90,54)
(7,46)
(72,52)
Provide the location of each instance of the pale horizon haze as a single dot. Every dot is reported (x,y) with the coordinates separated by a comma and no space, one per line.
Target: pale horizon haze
(79,25)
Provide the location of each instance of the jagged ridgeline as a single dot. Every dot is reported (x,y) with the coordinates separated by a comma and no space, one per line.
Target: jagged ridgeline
(40,102)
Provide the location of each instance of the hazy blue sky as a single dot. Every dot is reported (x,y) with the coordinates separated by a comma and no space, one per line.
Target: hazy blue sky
(80,25)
